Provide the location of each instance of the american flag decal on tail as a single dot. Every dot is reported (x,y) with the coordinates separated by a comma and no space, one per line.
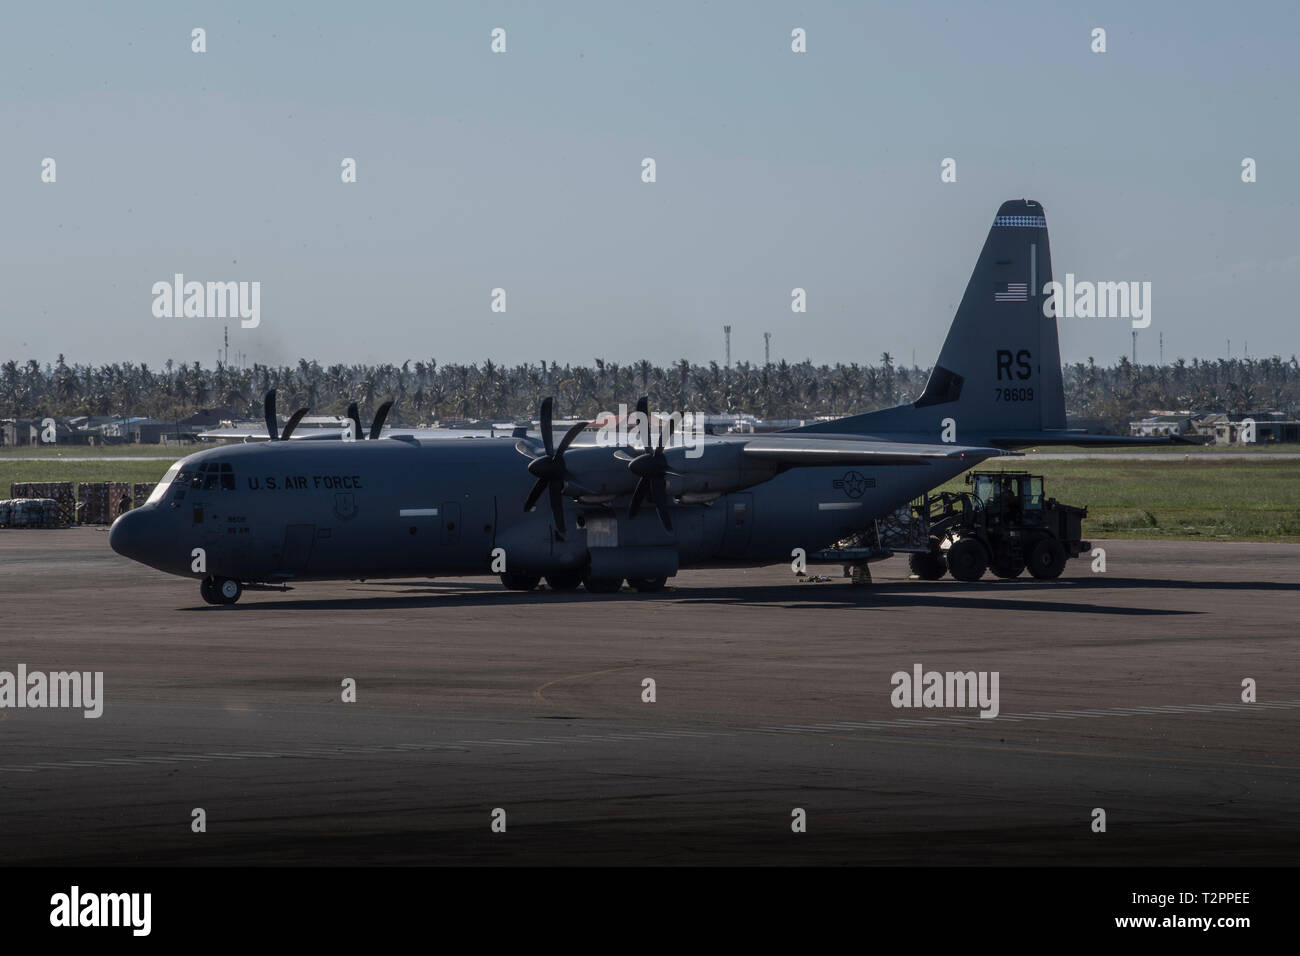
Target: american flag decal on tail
(1011,292)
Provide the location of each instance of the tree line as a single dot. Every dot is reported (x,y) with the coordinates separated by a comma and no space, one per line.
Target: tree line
(427,391)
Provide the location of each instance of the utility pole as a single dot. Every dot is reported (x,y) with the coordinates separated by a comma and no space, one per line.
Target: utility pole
(726,334)
(1135,346)
(227,334)
(767,348)
(1162,348)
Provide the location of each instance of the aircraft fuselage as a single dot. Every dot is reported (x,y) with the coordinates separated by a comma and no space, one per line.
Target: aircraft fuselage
(321,510)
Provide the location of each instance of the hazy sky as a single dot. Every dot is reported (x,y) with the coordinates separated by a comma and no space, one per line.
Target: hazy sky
(523,171)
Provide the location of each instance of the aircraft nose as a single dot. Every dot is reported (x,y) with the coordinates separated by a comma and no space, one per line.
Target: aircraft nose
(126,537)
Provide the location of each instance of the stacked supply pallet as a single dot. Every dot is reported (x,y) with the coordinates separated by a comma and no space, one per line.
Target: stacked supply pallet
(58,491)
(29,513)
(100,502)
(119,499)
(141,491)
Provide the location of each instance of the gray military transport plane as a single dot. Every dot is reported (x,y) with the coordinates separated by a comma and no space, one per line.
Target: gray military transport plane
(268,514)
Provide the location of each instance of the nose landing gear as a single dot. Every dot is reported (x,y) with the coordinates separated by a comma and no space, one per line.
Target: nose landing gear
(215,590)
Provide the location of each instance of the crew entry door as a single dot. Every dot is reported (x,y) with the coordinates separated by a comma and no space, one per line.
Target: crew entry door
(298,540)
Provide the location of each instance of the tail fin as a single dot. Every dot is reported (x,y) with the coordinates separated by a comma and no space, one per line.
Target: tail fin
(999,373)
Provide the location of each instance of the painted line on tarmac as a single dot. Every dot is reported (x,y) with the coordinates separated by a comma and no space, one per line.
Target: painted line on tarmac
(1167,710)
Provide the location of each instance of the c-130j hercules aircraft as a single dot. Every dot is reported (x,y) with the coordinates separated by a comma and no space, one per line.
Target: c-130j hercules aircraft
(280,512)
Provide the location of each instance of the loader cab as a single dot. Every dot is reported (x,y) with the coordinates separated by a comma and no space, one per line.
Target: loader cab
(1009,496)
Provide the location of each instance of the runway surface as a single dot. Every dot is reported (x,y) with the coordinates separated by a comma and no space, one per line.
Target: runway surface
(1118,690)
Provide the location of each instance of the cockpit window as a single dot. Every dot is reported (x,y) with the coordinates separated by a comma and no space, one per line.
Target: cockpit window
(209,476)
(164,483)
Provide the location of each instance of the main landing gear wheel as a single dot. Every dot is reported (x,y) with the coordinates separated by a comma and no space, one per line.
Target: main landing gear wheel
(564,581)
(602,585)
(520,582)
(967,560)
(208,592)
(647,585)
(1047,559)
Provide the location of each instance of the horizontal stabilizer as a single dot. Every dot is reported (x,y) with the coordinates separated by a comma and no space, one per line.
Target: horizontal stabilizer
(1084,439)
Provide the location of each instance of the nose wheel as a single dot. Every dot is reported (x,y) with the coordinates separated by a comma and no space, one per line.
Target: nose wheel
(220,590)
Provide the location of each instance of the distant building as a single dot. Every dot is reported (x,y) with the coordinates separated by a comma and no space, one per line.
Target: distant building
(149,431)
(1168,423)
(15,432)
(1277,431)
(20,432)
(135,429)
(1226,429)
(206,418)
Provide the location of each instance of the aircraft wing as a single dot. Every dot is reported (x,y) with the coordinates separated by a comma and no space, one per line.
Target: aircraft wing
(808,451)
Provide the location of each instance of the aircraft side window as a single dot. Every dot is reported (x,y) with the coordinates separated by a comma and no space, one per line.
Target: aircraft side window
(210,481)
(227,478)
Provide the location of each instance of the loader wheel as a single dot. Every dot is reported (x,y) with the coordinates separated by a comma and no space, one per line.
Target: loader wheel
(1007,567)
(928,566)
(1047,559)
(967,560)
